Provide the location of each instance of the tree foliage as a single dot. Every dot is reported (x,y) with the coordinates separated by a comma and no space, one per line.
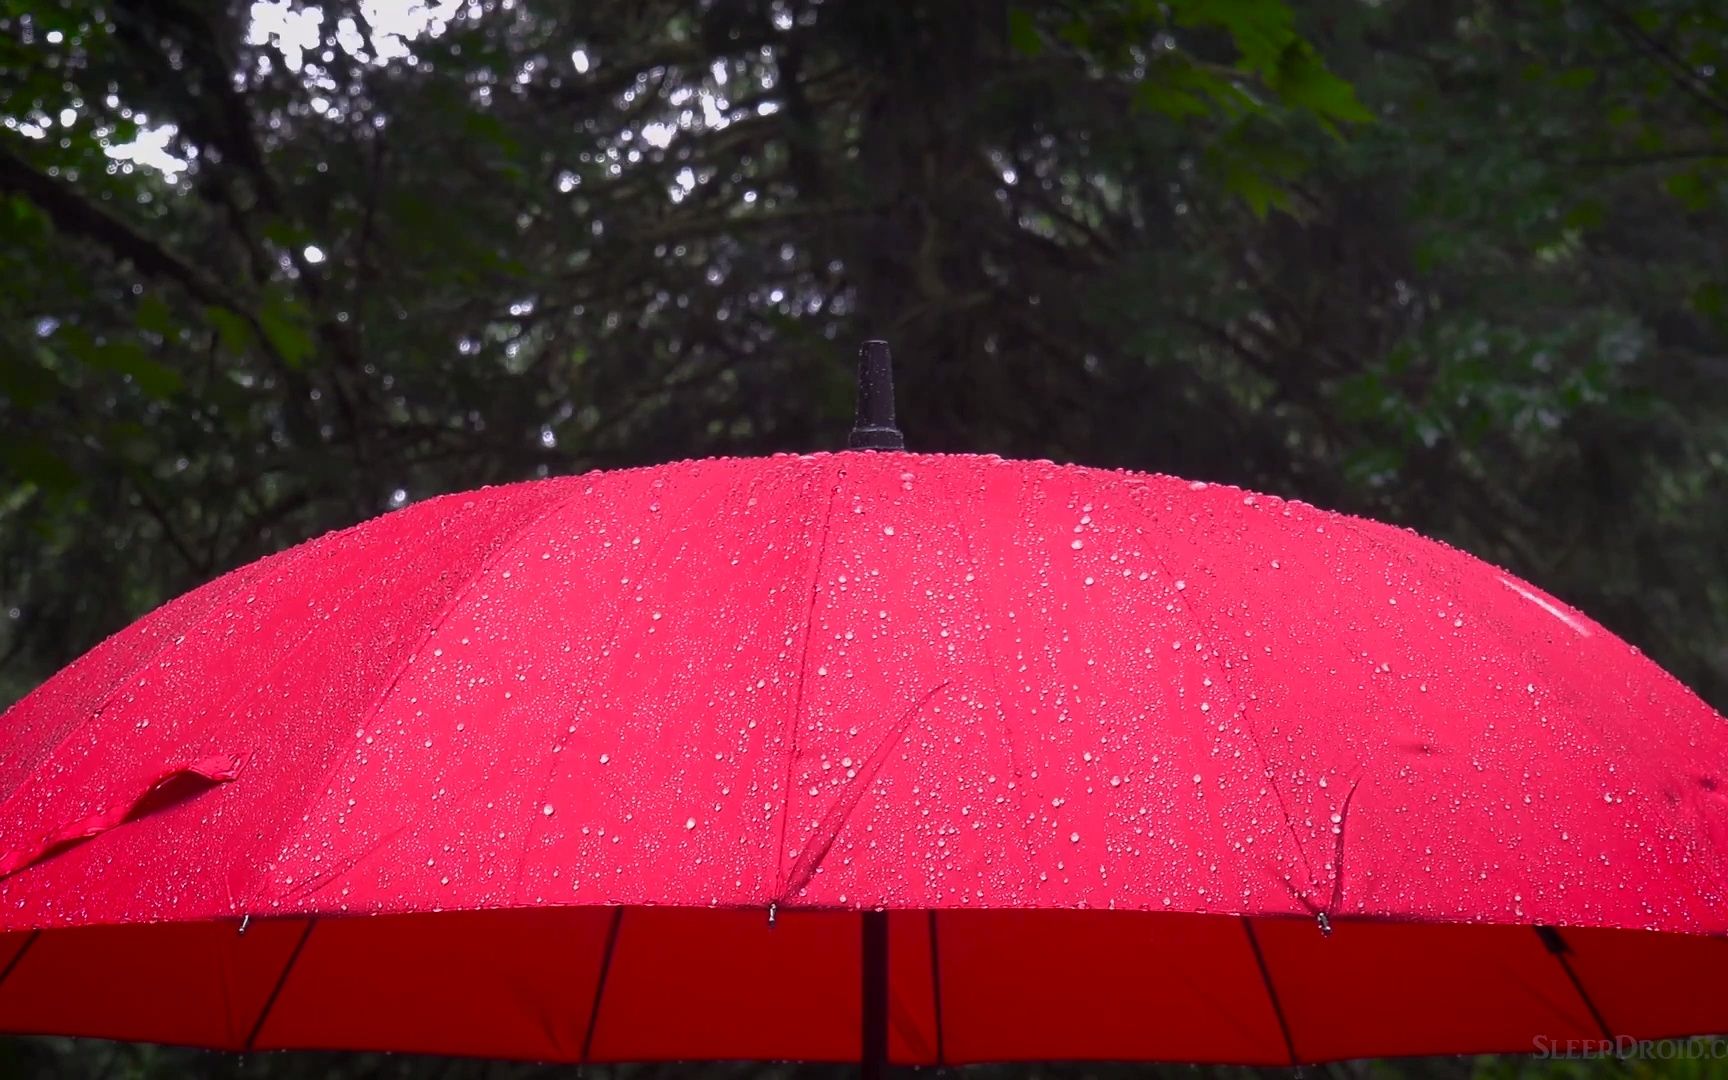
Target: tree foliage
(1454,264)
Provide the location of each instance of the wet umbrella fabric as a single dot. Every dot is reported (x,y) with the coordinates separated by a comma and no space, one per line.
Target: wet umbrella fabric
(523,772)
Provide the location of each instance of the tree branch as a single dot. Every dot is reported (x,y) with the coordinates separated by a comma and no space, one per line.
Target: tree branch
(1676,66)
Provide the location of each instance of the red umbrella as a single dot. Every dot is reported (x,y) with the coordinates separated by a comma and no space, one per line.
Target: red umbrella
(865,755)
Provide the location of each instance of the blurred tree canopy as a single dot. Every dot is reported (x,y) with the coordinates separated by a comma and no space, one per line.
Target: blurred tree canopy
(1455,264)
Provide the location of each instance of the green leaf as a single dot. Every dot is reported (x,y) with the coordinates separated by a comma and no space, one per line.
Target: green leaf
(1374,466)
(232,329)
(21,214)
(1077,34)
(1262,30)
(129,358)
(1255,189)
(1303,81)
(1176,87)
(132,442)
(1692,188)
(287,333)
(121,130)
(1588,214)
(1255,165)
(24,383)
(1023,33)
(489,128)
(283,327)
(153,315)
(34,463)
(123,357)
(1711,299)
(283,234)
(1168,100)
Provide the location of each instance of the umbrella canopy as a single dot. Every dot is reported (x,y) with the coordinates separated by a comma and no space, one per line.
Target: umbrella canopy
(924,758)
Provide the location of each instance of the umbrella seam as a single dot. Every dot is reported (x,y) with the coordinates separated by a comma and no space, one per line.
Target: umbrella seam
(828,828)
(650,558)
(245,575)
(1284,808)
(990,658)
(1457,562)
(780,882)
(1195,627)
(114,691)
(457,596)
(299,552)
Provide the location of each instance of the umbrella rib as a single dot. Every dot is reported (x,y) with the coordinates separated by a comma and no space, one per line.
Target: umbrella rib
(1558,948)
(281,981)
(1271,990)
(873,995)
(936,988)
(18,957)
(600,983)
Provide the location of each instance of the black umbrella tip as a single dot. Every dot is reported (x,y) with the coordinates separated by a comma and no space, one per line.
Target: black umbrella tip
(874,427)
